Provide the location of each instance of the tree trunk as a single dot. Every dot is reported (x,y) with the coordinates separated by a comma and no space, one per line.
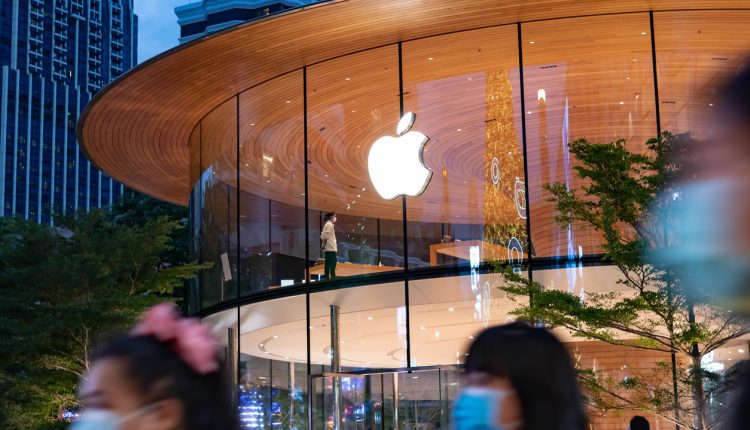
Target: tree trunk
(699,395)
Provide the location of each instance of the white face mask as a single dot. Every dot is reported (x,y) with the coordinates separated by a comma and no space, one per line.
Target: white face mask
(480,408)
(102,419)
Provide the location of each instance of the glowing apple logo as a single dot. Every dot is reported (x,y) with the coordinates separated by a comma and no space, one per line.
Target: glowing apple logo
(395,163)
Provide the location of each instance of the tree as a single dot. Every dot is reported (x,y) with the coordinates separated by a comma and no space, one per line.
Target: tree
(630,199)
(63,287)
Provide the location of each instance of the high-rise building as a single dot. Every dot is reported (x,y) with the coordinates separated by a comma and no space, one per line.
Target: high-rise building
(208,16)
(55,56)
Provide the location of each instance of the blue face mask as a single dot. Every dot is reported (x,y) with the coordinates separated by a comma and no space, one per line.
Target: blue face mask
(479,408)
(706,252)
(101,419)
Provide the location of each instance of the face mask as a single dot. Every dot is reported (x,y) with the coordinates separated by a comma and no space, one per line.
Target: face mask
(478,408)
(706,250)
(100,419)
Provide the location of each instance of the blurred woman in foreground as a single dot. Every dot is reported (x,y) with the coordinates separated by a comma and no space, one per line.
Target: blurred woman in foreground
(518,378)
(165,375)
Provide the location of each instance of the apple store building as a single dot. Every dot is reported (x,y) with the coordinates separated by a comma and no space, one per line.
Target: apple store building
(430,129)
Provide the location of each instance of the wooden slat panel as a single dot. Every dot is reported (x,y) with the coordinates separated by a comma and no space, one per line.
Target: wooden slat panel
(138,129)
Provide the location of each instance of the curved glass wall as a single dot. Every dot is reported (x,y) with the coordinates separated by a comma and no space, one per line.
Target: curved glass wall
(499,106)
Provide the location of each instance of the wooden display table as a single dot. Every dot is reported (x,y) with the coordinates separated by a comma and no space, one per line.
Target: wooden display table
(352,269)
(461,249)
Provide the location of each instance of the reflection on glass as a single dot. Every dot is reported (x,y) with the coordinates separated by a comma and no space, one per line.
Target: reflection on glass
(272,184)
(386,400)
(218,188)
(272,364)
(597,84)
(372,326)
(465,91)
(446,314)
(353,101)
(695,56)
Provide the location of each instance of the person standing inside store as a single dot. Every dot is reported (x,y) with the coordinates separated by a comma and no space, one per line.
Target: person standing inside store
(328,244)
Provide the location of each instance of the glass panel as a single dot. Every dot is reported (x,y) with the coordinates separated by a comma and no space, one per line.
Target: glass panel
(581,79)
(465,91)
(195,154)
(272,366)
(697,52)
(372,326)
(416,400)
(219,203)
(352,101)
(446,313)
(272,187)
(224,326)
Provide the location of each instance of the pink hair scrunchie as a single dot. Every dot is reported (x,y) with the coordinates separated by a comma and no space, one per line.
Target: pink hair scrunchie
(194,343)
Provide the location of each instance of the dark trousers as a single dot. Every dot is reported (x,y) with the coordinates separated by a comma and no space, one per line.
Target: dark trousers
(330,268)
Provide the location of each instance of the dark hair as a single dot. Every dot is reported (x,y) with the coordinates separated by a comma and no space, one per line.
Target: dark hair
(639,423)
(330,215)
(159,373)
(539,368)
(735,100)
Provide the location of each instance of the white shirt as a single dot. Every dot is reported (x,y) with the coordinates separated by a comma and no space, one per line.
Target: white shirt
(329,236)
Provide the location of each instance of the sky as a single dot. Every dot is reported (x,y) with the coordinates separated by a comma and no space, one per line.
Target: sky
(157,26)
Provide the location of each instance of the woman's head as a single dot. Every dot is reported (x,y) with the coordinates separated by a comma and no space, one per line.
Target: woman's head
(331,216)
(144,382)
(533,371)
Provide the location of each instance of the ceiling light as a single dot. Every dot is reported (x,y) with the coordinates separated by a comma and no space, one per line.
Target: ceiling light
(275,337)
(622,103)
(451,309)
(415,377)
(529,112)
(252,123)
(312,327)
(471,337)
(437,334)
(370,318)
(627,78)
(740,350)
(458,129)
(532,42)
(643,33)
(423,328)
(541,94)
(710,104)
(288,101)
(347,79)
(430,58)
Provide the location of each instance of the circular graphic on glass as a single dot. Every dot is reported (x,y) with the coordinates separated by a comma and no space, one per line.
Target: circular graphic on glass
(520,198)
(495,170)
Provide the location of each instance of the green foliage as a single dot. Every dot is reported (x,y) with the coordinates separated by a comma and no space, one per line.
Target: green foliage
(65,286)
(628,198)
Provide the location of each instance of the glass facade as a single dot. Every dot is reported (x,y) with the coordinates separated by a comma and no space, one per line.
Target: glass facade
(380,344)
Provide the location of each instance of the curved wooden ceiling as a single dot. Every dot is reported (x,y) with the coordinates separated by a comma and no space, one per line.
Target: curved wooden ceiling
(138,129)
